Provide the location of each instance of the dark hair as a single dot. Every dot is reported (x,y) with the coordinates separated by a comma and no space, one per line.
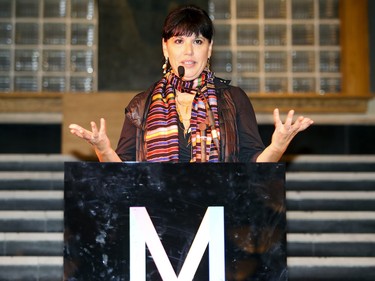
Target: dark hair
(186,21)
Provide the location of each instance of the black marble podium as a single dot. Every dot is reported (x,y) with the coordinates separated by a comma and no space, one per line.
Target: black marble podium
(212,220)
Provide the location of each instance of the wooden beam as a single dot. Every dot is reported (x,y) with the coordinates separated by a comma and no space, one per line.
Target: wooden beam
(354,48)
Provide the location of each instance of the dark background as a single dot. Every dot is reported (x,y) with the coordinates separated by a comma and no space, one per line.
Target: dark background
(130,52)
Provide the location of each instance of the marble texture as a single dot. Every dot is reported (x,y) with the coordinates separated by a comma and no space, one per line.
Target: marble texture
(96,216)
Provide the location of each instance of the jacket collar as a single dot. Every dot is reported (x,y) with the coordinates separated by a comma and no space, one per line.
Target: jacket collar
(221,83)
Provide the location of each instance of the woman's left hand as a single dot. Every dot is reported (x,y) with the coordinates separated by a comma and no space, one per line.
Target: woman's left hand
(285,132)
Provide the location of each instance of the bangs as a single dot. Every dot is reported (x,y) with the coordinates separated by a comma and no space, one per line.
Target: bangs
(186,22)
(189,29)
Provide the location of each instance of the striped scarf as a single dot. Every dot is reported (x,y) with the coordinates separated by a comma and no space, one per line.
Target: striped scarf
(162,121)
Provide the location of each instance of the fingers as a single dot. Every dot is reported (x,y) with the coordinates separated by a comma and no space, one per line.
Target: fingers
(289,119)
(305,123)
(276,116)
(86,134)
(103,127)
(77,130)
(94,129)
(102,130)
(74,127)
(300,124)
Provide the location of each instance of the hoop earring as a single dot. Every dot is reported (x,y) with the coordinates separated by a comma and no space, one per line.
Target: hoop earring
(165,66)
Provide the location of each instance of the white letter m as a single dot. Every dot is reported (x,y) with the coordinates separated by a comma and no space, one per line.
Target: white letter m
(142,233)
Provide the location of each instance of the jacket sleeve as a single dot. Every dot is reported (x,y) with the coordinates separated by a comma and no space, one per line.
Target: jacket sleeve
(127,143)
(126,147)
(250,142)
(130,144)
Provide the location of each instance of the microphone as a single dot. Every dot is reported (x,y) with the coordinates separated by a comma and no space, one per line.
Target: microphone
(181,71)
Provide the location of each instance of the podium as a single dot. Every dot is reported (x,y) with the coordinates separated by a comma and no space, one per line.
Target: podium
(165,221)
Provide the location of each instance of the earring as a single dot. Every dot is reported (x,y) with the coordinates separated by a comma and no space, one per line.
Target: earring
(208,64)
(165,66)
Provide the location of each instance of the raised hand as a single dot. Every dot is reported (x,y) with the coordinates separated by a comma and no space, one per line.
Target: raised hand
(285,132)
(283,135)
(98,139)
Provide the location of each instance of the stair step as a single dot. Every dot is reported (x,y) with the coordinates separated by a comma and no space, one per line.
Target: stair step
(31,268)
(331,269)
(315,245)
(300,268)
(296,200)
(31,244)
(331,244)
(31,180)
(331,200)
(31,200)
(324,163)
(31,221)
(298,221)
(294,180)
(330,181)
(34,162)
(330,222)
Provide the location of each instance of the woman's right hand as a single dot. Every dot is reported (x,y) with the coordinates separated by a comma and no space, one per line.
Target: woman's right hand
(98,139)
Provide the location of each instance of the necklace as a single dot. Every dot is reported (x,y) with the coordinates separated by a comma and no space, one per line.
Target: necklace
(184,104)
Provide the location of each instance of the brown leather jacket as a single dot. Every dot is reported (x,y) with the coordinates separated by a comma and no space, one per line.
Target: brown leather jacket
(239,136)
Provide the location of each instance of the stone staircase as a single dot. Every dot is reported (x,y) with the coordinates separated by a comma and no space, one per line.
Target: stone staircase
(31,217)
(330,215)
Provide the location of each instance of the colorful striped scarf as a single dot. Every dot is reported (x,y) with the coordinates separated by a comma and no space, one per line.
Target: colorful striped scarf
(162,120)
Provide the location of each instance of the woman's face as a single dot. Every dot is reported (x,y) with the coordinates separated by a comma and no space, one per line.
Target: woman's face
(191,52)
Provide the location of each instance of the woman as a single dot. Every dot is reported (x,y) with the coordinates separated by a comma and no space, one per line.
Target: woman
(190,115)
